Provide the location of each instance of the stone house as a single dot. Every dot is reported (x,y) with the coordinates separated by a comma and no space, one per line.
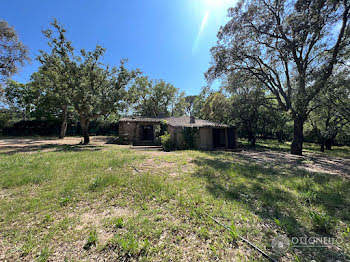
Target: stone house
(208,135)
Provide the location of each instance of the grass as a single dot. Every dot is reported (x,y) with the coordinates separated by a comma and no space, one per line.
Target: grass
(53,204)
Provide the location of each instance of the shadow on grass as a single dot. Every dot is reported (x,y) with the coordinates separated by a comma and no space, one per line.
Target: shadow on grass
(48,147)
(271,193)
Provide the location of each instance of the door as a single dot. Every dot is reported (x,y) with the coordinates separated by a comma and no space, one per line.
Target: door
(147,132)
(219,138)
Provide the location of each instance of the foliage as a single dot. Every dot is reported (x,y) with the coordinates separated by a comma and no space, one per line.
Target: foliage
(190,136)
(20,98)
(154,98)
(167,142)
(331,110)
(99,90)
(52,127)
(54,79)
(288,47)
(189,104)
(13,53)
(322,222)
(178,105)
(216,108)
(198,102)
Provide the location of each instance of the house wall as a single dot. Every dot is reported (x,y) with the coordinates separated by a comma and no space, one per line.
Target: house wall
(206,138)
(127,131)
(176,135)
(131,132)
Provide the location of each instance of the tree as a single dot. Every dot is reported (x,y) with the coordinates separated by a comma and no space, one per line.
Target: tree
(152,98)
(199,101)
(13,53)
(247,96)
(332,108)
(20,98)
(290,46)
(216,108)
(189,104)
(55,77)
(178,104)
(98,90)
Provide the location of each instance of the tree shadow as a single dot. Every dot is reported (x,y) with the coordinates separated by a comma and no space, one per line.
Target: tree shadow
(10,150)
(259,189)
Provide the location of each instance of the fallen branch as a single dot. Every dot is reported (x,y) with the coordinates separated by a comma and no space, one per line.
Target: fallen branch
(243,239)
(136,169)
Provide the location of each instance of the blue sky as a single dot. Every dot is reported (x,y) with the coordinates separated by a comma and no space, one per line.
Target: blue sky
(166,39)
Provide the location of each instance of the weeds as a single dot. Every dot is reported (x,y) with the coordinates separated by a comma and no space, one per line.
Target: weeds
(119,222)
(92,240)
(233,232)
(44,255)
(321,222)
(128,245)
(346,233)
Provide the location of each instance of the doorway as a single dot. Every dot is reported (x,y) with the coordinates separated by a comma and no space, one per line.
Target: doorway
(219,137)
(147,132)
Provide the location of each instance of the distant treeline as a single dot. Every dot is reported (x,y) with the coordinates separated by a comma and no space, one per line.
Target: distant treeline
(52,128)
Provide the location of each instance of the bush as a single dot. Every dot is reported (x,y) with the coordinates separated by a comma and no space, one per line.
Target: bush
(167,142)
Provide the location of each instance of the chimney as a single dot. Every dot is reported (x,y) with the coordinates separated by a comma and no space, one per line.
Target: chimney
(192,120)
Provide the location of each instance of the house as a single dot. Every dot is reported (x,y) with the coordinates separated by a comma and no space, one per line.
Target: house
(207,135)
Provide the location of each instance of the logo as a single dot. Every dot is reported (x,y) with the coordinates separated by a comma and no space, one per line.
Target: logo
(280,244)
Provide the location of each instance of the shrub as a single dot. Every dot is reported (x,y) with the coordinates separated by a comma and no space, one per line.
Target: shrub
(167,142)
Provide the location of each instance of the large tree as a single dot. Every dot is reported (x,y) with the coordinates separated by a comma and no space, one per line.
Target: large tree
(12,52)
(98,89)
(290,46)
(154,98)
(55,77)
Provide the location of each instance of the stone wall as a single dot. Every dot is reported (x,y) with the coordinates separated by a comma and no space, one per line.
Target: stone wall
(131,132)
(206,138)
(127,131)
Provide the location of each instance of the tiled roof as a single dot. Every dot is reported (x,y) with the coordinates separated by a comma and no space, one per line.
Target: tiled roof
(182,121)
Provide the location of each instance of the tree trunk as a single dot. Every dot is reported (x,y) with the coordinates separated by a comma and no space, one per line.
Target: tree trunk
(329,143)
(298,137)
(322,147)
(84,123)
(251,139)
(64,123)
(279,137)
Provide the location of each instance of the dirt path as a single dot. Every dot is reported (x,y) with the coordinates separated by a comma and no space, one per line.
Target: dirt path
(310,162)
(28,145)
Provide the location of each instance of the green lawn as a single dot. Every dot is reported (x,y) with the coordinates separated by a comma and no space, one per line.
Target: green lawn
(88,203)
